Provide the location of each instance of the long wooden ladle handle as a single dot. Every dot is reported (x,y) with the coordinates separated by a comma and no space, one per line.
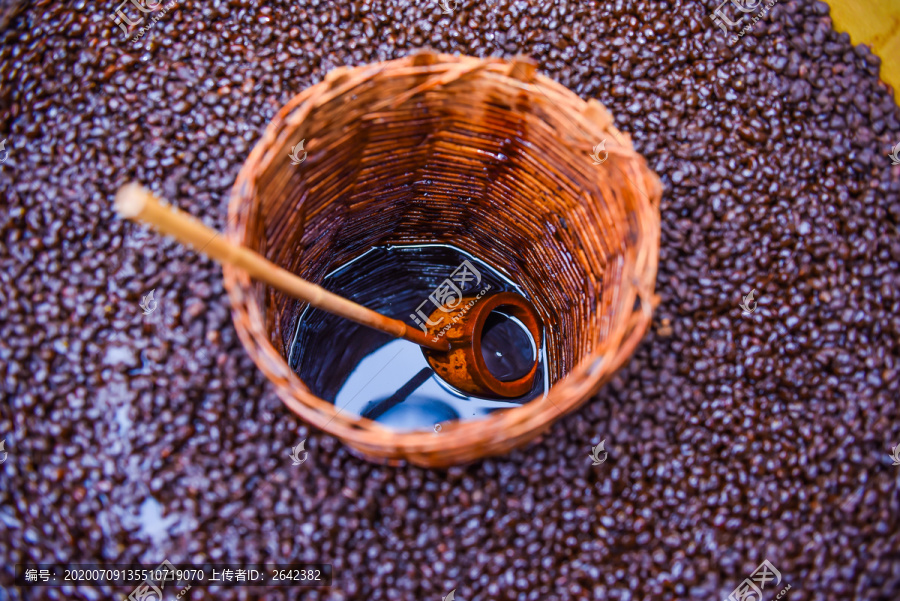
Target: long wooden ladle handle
(135,202)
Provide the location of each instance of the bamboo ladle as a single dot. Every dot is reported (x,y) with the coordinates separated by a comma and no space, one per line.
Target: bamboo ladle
(454,353)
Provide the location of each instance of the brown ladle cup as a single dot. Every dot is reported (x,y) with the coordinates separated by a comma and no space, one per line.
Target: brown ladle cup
(464,366)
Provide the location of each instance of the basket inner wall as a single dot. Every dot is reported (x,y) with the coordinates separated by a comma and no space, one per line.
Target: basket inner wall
(466,164)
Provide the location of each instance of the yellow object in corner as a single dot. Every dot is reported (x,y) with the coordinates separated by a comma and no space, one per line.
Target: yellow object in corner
(875,23)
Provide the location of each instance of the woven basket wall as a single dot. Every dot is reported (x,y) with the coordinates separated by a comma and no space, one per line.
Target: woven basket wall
(483,154)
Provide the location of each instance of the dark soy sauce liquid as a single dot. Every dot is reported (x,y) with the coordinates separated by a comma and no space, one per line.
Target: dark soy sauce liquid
(371,374)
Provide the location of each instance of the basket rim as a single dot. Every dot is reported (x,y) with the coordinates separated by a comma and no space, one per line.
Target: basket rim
(499,431)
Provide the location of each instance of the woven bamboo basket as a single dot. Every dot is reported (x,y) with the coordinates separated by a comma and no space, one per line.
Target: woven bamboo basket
(503,155)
